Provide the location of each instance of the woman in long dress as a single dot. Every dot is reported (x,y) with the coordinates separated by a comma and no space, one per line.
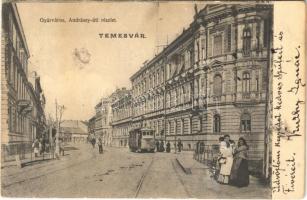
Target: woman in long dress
(239,172)
(226,160)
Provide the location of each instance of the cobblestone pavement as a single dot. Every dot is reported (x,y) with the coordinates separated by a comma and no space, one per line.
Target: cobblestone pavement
(119,173)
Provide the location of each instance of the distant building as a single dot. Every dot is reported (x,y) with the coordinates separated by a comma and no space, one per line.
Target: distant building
(75,131)
(91,125)
(103,128)
(122,118)
(22,101)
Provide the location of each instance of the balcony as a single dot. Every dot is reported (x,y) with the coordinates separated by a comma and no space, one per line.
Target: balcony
(24,106)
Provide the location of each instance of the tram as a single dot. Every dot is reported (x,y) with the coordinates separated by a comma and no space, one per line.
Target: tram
(142,139)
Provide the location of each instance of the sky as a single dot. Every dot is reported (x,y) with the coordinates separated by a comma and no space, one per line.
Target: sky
(76,66)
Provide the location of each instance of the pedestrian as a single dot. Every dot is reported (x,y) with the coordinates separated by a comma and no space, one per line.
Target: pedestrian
(196,151)
(35,147)
(100,145)
(61,146)
(239,172)
(179,145)
(162,149)
(47,146)
(40,146)
(93,142)
(219,156)
(157,146)
(201,151)
(168,147)
(225,160)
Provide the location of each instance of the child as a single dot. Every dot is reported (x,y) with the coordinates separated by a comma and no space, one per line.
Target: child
(219,157)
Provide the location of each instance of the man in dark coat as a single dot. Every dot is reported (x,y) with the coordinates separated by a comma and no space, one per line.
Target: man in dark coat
(179,145)
(157,146)
(162,146)
(100,145)
(168,147)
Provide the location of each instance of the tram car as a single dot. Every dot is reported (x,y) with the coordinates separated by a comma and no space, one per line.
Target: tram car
(142,139)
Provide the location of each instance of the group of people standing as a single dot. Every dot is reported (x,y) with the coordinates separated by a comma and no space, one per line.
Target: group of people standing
(41,146)
(160,146)
(99,144)
(232,162)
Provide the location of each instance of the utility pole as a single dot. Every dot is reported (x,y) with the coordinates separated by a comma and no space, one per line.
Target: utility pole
(58,121)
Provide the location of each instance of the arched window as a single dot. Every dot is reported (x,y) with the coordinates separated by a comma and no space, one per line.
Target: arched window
(216,123)
(246,82)
(168,99)
(217,85)
(177,96)
(246,41)
(172,98)
(183,94)
(246,122)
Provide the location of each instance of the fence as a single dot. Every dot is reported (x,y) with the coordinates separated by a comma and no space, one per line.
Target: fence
(25,153)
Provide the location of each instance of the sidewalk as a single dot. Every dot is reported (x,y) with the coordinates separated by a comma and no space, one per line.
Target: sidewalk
(12,174)
(200,183)
(187,163)
(27,160)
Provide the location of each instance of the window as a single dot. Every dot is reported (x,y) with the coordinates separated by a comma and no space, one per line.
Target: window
(168,127)
(177,96)
(191,58)
(168,71)
(257,84)
(203,53)
(183,94)
(198,52)
(181,126)
(217,85)
(216,123)
(217,45)
(246,82)
(175,126)
(246,122)
(229,38)
(199,124)
(168,99)
(246,41)
(203,49)
(265,32)
(188,59)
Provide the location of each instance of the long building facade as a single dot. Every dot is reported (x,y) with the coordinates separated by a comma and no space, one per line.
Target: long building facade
(210,81)
(122,118)
(22,100)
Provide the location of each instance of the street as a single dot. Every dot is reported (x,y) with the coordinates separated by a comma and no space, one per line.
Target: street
(82,172)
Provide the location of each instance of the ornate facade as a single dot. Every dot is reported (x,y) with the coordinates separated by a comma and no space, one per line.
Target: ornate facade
(22,100)
(210,81)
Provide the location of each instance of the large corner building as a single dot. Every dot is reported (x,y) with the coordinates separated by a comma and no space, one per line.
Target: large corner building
(210,81)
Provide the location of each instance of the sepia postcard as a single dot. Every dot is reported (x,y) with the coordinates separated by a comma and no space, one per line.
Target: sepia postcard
(153,99)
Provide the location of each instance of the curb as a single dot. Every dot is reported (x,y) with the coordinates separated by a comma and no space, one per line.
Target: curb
(185,170)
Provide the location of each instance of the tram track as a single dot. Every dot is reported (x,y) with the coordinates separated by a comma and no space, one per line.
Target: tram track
(145,175)
(180,180)
(143,178)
